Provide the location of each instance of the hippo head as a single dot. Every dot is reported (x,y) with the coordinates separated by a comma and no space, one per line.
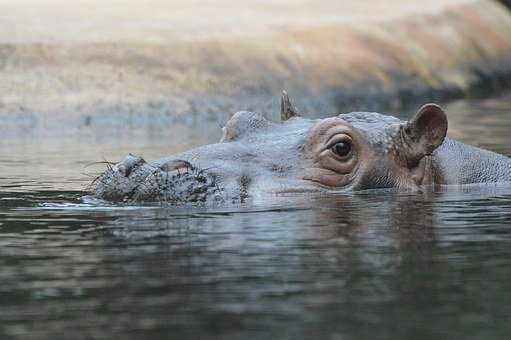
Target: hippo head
(256,157)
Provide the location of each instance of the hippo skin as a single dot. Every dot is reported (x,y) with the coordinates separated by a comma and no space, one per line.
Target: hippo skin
(349,152)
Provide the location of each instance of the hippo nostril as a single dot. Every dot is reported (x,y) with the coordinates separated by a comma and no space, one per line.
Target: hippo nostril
(129,164)
(123,170)
(175,165)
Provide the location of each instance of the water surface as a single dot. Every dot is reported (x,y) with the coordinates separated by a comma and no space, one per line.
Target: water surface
(369,265)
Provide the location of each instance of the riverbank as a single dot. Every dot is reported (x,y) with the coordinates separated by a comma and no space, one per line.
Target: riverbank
(161,63)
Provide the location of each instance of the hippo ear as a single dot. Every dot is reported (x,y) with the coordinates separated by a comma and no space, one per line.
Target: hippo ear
(287,110)
(424,133)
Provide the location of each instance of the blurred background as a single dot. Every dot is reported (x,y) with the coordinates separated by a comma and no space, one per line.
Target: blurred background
(147,63)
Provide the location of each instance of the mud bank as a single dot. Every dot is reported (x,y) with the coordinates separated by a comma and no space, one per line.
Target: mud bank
(107,70)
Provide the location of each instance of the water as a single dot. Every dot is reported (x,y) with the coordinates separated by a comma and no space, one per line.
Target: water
(369,265)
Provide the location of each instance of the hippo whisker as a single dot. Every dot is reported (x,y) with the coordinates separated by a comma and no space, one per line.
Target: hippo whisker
(107,163)
(97,176)
(89,186)
(163,192)
(94,175)
(99,162)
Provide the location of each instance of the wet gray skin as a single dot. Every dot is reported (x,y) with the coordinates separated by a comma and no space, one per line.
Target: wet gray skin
(257,158)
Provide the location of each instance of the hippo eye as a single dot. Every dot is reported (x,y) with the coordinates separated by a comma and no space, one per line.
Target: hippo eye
(342,148)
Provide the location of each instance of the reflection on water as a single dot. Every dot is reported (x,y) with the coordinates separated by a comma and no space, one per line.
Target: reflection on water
(369,265)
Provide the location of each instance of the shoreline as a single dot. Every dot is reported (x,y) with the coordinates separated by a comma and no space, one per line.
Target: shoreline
(461,51)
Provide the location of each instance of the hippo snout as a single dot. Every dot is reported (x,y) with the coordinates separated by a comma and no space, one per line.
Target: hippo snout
(174,181)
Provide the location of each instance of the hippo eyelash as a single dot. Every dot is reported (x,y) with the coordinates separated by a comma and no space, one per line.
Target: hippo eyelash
(336,139)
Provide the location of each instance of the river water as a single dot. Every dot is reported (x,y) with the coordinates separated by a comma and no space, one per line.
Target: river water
(363,266)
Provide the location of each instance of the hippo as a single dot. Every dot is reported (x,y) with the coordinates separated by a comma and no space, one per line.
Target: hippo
(345,153)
